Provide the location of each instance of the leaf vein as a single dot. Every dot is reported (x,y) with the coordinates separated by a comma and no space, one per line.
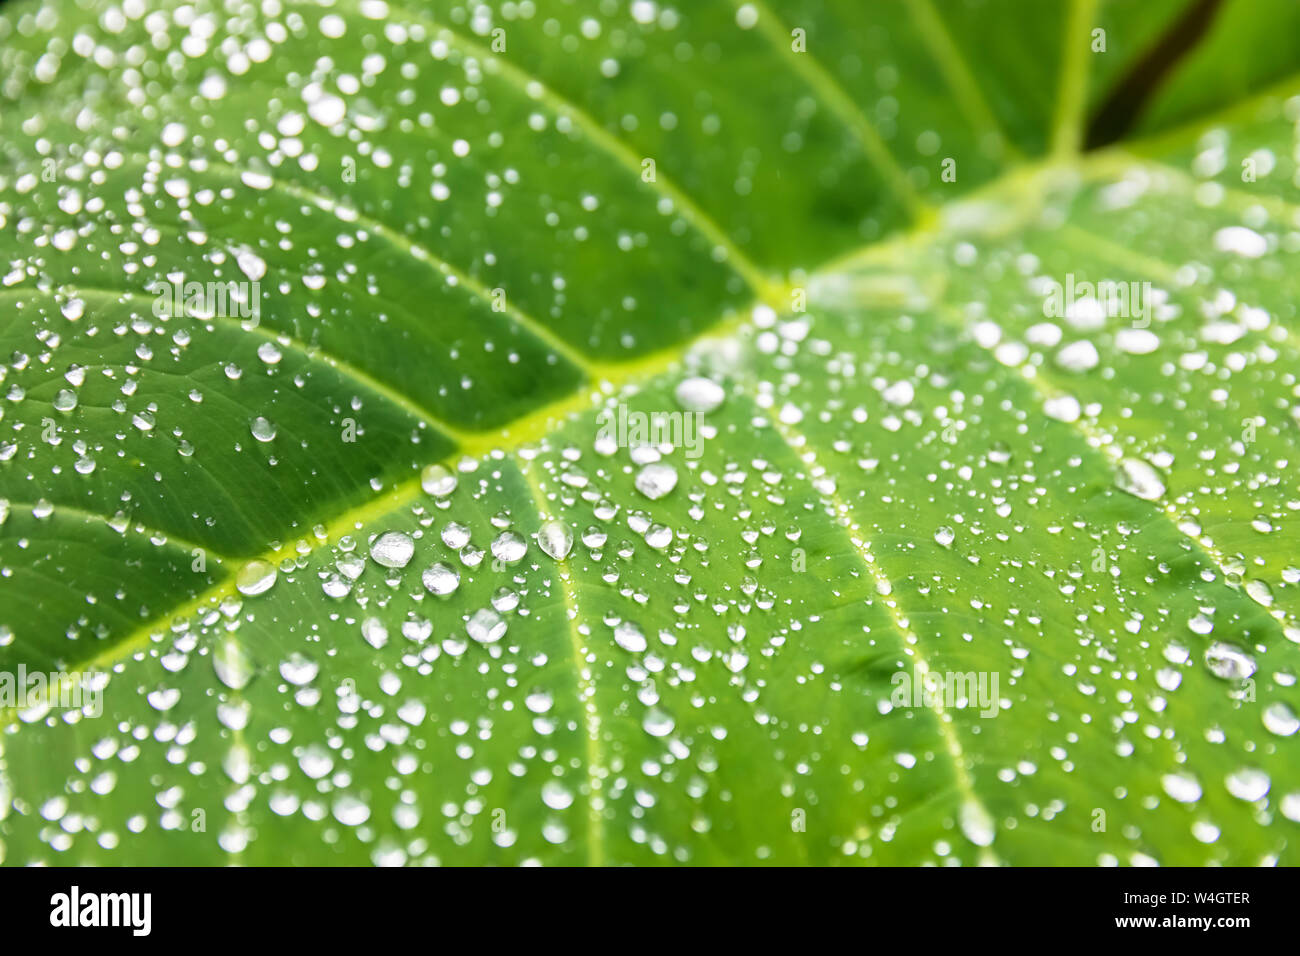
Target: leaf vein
(840,103)
(614,147)
(586,689)
(846,518)
(311,353)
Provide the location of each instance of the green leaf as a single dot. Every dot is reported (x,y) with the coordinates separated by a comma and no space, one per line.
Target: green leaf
(491,244)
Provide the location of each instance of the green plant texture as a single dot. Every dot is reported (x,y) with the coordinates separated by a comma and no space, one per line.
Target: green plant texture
(684,433)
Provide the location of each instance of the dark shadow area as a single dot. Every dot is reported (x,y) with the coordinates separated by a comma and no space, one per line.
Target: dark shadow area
(1118,114)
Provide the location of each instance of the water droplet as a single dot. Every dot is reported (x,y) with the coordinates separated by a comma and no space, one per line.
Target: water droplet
(441,579)
(1280,719)
(1181,787)
(658,536)
(697,394)
(1242,241)
(298,669)
(1259,592)
(539,701)
(1291,806)
(1248,784)
(656,480)
(555,538)
(350,811)
(1139,479)
(455,535)
(556,795)
(1078,356)
(438,480)
(630,637)
(1228,661)
(374,632)
(412,712)
(255,577)
(509,547)
(486,626)
(262,429)
(899,393)
(393,549)
(976,823)
(233,666)
(658,723)
(1063,408)
(164,699)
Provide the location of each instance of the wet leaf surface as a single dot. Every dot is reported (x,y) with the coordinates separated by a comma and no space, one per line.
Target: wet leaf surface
(627,416)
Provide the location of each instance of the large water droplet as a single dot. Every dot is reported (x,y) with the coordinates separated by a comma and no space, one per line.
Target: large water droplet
(658,723)
(1248,784)
(455,535)
(976,823)
(441,579)
(438,480)
(262,429)
(556,795)
(1139,479)
(233,666)
(298,669)
(374,632)
(656,480)
(486,626)
(1181,787)
(393,549)
(1229,661)
(255,577)
(629,637)
(1280,719)
(350,811)
(697,394)
(556,539)
(509,547)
